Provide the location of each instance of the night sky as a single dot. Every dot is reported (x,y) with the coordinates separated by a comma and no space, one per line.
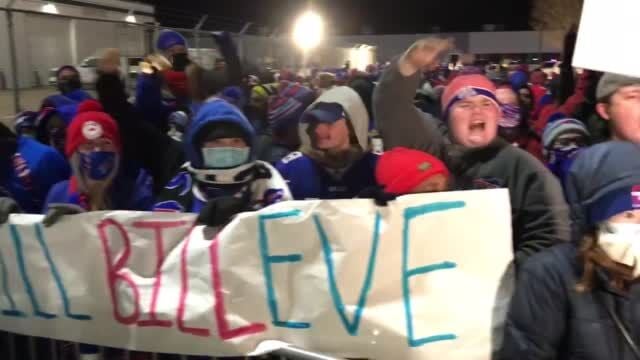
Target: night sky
(349,16)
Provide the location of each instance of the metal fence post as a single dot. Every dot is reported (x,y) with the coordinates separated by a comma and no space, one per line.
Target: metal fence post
(196,34)
(13,57)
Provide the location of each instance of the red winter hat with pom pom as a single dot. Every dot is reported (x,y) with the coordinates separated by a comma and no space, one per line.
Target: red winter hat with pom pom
(91,123)
(401,170)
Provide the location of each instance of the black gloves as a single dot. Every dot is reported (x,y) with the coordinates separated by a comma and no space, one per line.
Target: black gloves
(219,211)
(56,211)
(7,206)
(378,195)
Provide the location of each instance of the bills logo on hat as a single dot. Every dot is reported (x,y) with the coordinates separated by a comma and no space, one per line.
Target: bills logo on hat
(467,92)
(91,130)
(635,196)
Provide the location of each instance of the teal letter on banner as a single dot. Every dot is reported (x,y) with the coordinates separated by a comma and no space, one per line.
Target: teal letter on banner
(409,214)
(267,260)
(351,326)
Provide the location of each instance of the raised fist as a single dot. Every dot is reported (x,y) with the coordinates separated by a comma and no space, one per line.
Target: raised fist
(424,55)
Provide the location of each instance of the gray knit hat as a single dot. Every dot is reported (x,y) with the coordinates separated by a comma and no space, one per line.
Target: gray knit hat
(610,83)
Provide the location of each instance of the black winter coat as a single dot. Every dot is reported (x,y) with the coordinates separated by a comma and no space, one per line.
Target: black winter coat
(549,319)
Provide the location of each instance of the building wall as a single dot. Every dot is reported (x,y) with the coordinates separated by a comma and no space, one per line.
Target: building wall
(44,41)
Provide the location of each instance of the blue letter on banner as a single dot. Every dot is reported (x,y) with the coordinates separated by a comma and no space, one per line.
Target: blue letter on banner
(17,242)
(5,287)
(409,214)
(56,277)
(351,326)
(267,260)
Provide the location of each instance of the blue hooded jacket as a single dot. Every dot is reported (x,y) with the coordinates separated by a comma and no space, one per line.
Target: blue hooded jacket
(211,112)
(178,194)
(67,104)
(33,170)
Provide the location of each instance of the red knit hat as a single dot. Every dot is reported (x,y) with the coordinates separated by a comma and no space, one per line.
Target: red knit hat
(90,123)
(400,170)
(465,86)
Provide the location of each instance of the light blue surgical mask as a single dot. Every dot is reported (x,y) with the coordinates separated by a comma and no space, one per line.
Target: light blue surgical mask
(224,157)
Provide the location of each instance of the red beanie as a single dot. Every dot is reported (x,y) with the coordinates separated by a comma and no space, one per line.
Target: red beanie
(400,170)
(465,86)
(90,123)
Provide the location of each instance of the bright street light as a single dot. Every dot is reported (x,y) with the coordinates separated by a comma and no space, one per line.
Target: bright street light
(131,18)
(49,8)
(308,31)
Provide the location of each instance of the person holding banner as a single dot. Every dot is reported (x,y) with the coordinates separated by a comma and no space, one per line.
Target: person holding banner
(100,181)
(472,150)
(580,300)
(221,178)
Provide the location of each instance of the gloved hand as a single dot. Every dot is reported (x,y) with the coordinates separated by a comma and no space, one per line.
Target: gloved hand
(379,196)
(56,211)
(8,206)
(219,211)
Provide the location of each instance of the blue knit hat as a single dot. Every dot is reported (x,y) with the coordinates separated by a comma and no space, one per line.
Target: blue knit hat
(168,39)
(561,126)
(603,181)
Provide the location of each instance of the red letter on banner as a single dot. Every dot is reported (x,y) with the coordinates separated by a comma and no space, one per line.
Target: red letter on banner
(158,227)
(115,272)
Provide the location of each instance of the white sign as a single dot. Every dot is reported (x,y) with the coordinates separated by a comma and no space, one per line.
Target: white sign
(419,279)
(608,37)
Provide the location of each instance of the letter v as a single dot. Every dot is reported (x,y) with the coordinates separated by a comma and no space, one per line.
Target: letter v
(353,325)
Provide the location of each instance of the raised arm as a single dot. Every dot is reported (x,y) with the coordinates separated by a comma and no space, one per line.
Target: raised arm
(399,122)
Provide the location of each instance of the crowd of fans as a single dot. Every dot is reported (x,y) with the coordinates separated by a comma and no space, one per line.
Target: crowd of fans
(219,142)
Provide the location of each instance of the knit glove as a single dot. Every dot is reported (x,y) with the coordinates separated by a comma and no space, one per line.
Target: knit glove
(220,211)
(56,211)
(8,206)
(379,196)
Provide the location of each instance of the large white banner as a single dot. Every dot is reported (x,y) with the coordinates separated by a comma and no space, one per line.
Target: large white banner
(424,278)
(608,37)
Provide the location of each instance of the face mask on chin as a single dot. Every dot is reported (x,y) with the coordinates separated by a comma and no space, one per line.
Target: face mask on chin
(621,243)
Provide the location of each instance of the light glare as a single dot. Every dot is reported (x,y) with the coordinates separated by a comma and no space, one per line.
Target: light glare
(308,31)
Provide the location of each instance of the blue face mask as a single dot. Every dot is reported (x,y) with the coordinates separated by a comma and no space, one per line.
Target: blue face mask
(225,157)
(98,165)
(561,160)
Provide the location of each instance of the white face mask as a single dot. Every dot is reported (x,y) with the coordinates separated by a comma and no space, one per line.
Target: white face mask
(621,242)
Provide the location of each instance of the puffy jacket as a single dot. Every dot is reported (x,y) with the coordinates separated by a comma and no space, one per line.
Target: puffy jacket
(30,173)
(549,319)
(540,216)
(256,181)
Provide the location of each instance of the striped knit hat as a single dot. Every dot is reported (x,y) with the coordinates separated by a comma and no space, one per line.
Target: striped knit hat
(284,111)
(559,127)
(465,86)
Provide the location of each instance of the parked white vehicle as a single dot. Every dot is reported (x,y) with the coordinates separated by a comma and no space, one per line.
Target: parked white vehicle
(88,70)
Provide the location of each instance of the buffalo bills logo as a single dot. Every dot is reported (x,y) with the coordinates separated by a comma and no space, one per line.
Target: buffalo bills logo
(182,182)
(487,183)
(272,196)
(168,206)
(635,196)
(91,130)
(22,171)
(466,92)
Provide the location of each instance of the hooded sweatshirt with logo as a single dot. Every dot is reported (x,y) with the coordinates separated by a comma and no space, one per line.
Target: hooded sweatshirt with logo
(29,174)
(540,215)
(308,178)
(256,181)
